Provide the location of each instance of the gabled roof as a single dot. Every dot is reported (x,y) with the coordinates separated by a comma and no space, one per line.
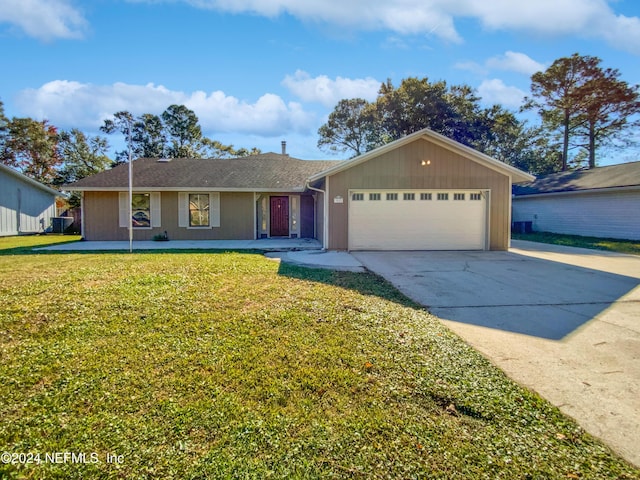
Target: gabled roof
(438,139)
(264,172)
(30,181)
(613,176)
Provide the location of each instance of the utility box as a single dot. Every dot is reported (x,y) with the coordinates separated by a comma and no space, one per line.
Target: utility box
(60,224)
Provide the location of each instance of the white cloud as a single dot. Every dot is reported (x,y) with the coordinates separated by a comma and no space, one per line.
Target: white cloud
(515,62)
(510,61)
(44,19)
(51,19)
(402,16)
(72,104)
(495,91)
(268,116)
(322,89)
(584,18)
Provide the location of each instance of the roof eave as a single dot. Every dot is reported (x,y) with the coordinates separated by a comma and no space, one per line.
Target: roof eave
(577,192)
(31,181)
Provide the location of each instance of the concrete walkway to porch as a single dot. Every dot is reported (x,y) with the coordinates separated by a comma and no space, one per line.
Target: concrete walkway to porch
(265,244)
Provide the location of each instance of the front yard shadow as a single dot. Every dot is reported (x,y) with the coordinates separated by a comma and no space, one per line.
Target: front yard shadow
(365,283)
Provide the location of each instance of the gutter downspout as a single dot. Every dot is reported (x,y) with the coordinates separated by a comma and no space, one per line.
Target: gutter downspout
(325,215)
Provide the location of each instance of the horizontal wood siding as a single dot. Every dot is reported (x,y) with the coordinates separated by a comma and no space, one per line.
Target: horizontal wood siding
(607,215)
(402,169)
(236,219)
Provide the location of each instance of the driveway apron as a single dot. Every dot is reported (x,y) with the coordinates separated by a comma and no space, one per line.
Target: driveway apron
(562,321)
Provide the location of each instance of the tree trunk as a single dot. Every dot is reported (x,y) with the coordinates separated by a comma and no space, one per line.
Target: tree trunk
(565,141)
(592,145)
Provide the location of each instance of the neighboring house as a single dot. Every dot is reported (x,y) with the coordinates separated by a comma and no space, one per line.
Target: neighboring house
(423,191)
(26,206)
(600,202)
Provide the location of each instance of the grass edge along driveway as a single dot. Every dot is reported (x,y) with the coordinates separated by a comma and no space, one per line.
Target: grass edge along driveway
(230,365)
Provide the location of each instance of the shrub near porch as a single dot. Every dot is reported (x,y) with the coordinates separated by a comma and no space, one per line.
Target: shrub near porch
(195,364)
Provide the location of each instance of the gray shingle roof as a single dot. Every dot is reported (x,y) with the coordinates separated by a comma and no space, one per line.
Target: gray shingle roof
(622,175)
(269,171)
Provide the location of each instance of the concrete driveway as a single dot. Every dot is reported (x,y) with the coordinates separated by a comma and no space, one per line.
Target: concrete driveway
(562,321)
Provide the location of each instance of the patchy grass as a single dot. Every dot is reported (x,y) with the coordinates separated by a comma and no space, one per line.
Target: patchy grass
(614,245)
(229,365)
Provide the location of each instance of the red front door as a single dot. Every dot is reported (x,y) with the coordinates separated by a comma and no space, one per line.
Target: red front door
(279,217)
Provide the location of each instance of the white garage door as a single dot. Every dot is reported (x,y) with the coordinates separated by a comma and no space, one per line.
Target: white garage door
(418,220)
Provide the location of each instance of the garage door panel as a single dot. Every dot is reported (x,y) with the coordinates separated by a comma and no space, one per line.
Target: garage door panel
(417,224)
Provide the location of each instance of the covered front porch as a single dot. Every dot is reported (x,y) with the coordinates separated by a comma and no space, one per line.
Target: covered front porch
(291,215)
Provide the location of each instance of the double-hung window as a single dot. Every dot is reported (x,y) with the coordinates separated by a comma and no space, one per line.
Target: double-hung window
(141,210)
(198,209)
(145,210)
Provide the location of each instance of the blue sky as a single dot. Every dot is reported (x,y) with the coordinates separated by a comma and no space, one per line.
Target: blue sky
(260,71)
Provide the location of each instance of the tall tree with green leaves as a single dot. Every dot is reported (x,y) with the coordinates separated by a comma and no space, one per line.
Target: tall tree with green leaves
(174,134)
(183,132)
(122,122)
(82,156)
(350,127)
(31,147)
(357,126)
(417,103)
(149,139)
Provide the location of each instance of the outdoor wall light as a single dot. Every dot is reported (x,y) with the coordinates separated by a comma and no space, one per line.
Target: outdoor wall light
(425,162)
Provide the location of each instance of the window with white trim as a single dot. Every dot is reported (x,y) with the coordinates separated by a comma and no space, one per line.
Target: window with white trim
(357,197)
(141,210)
(458,196)
(198,209)
(475,196)
(374,196)
(409,196)
(144,208)
(392,196)
(425,196)
(443,196)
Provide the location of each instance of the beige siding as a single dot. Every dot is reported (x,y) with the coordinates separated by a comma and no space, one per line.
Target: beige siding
(236,219)
(402,169)
(605,214)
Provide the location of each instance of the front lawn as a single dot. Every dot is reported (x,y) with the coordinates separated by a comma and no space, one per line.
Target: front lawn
(229,365)
(611,244)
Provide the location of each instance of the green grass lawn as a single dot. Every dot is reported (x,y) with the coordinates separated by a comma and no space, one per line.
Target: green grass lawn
(228,365)
(610,244)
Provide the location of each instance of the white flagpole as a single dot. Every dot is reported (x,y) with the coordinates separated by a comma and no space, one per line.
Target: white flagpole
(130,196)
